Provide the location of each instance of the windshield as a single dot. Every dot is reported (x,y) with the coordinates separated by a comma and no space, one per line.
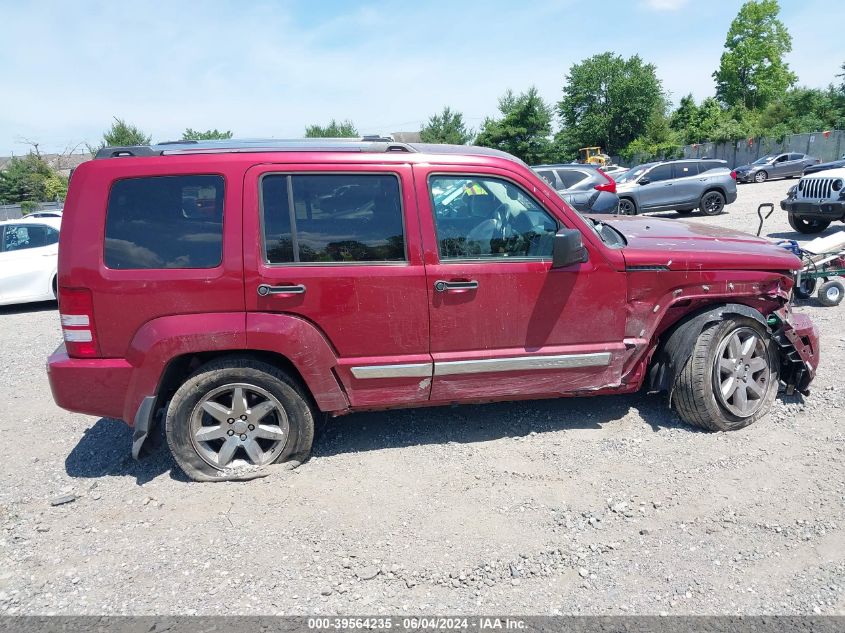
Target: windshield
(764,160)
(633,173)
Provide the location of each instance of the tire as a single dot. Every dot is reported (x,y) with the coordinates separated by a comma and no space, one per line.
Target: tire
(807,287)
(627,207)
(761,176)
(807,225)
(269,396)
(712,203)
(695,395)
(831,293)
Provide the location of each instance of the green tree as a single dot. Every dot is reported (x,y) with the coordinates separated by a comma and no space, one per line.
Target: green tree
(751,71)
(684,117)
(343,129)
(607,101)
(524,129)
(446,127)
(191,134)
(660,139)
(26,179)
(121,134)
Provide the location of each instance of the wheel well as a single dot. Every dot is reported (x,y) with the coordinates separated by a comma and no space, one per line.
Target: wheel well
(180,367)
(631,200)
(718,189)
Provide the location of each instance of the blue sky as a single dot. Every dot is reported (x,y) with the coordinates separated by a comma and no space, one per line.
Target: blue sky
(266,69)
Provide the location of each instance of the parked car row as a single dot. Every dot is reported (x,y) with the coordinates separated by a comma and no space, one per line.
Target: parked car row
(680,185)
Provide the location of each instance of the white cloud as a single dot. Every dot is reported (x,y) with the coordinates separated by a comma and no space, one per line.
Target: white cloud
(665,5)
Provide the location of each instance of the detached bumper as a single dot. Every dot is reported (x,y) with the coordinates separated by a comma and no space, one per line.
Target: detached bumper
(798,338)
(822,210)
(95,386)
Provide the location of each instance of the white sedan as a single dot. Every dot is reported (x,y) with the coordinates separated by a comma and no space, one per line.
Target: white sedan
(29,254)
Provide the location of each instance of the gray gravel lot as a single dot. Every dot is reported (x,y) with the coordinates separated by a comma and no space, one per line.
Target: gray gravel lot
(606,505)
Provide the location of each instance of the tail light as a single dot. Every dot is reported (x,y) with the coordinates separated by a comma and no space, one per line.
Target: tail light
(76,309)
(610,185)
(733,174)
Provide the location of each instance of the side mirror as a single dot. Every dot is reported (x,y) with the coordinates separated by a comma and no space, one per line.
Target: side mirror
(644,180)
(568,248)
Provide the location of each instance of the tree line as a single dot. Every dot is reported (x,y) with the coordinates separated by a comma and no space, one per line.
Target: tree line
(607,101)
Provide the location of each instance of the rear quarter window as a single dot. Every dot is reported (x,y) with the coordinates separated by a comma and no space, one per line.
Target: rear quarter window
(165,222)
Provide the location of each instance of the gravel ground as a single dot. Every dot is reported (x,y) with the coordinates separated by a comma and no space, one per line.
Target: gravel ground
(590,506)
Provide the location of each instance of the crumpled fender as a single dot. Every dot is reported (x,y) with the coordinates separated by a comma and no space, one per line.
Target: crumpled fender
(679,342)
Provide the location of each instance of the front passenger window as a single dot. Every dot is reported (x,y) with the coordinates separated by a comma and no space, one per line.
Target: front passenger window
(485,217)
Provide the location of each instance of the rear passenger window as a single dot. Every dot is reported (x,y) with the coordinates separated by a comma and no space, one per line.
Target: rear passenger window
(165,222)
(549,177)
(326,218)
(682,170)
(571,178)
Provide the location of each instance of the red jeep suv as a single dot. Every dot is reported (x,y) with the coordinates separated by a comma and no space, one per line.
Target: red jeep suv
(235,291)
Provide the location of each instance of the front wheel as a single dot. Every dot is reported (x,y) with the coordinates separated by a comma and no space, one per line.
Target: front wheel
(731,378)
(807,225)
(712,203)
(627,207)
(761,176)
(236,413)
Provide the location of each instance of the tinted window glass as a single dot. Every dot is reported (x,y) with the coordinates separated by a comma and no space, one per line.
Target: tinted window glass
(782,159)
(19,237)
(571,177)
(796,156)
(165,222)
(682,170)
(335,218)
(708,165)
(661,172)
(52,235)
(481,217)
(549,177)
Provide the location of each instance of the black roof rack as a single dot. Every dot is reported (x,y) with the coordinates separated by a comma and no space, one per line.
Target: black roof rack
(364,144)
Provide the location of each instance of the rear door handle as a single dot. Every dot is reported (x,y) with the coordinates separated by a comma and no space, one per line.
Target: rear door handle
(284,289)
(444,286)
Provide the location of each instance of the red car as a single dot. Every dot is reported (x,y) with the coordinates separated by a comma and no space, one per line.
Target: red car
(326,277)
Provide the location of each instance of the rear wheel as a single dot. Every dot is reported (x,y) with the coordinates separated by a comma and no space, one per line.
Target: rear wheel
(712,203)
(236,413)
(807,225)
(627,207)
(831,292)
(731,378)
(761,176)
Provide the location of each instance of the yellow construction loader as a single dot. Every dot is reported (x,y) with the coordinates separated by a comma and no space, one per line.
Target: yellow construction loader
(593,156)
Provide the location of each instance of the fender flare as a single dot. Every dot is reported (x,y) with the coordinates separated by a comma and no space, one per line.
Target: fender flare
(678,342)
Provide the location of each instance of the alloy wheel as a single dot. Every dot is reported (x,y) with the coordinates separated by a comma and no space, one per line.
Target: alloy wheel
(239,424)
(626,207)
(713,203)
(741,372)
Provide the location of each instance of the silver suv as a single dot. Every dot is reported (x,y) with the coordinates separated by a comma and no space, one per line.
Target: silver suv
(679,185)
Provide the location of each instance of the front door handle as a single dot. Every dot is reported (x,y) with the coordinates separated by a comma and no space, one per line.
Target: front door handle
(445,286)
(284,289)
